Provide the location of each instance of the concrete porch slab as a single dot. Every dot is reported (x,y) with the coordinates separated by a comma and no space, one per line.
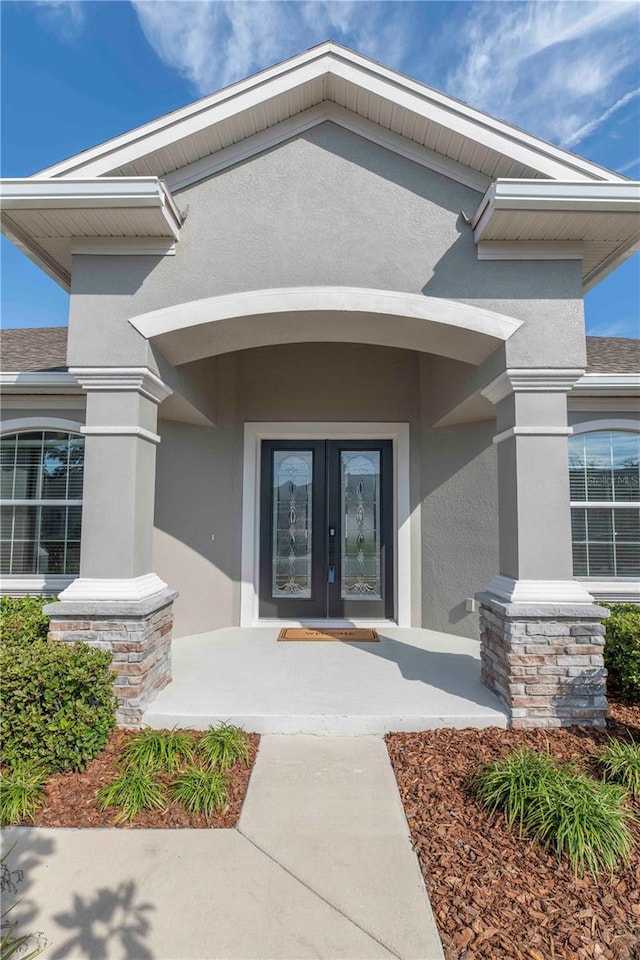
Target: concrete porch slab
(411,679)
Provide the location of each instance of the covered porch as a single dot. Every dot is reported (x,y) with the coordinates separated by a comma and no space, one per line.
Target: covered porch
(411,679)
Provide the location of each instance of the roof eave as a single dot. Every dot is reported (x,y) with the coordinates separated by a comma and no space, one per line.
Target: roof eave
(523,197)
(86,194)
(330,60)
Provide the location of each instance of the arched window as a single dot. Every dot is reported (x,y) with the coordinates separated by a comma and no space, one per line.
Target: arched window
(605,503)
(41,502)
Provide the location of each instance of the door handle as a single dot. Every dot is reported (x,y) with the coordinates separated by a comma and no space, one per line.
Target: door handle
(331,572)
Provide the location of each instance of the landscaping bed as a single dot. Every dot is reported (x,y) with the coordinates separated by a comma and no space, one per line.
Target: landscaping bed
(71,796)
(493,894)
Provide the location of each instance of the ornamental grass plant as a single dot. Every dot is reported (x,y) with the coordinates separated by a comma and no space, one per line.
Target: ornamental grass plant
(164,751)
(22,792)
(561,808)
(221,746)
(200,791)
(619,762)
(134,790)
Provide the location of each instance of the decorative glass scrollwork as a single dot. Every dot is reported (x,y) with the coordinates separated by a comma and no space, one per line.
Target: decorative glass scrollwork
(292,514)
(360,498)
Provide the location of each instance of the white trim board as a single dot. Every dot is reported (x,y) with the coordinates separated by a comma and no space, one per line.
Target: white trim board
(398,433)
(24,424)
(41,584)
(313,117)
(591,426)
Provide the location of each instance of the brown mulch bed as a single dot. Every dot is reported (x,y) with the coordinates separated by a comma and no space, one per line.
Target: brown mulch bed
(494,895)
(70,796)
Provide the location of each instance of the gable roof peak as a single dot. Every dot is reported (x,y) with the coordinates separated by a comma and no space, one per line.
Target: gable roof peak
(329,72)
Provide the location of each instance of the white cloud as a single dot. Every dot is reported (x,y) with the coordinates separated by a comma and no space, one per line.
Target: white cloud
(554,67)
(592,125)
(215,42)
(557,68)
(65,18)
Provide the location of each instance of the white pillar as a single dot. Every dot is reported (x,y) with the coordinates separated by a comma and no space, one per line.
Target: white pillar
(533,487)
(119,484)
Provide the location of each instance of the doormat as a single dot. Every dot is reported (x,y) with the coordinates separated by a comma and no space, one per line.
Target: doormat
(346,635)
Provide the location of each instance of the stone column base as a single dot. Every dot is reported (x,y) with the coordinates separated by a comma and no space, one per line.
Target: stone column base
(138,634)
(545,662)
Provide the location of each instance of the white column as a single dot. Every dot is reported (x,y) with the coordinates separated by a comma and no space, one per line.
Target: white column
(119,484)
(533,487)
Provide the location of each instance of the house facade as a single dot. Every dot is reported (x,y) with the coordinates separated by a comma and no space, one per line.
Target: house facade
(326,363)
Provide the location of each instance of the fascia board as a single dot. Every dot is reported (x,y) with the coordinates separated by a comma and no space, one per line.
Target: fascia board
(90,193)
(531,195)
(38,381)
(325,60)
(607,384)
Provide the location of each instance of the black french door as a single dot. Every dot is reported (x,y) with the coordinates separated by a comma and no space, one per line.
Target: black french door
(326,529)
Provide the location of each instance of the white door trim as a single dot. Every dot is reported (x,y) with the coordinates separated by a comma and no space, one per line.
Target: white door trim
(398,433)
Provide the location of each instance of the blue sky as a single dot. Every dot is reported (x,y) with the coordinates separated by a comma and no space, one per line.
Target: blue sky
(80,72)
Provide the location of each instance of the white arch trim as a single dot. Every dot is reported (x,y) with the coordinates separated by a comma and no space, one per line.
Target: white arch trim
(24,424)
(432,324)
(592,426)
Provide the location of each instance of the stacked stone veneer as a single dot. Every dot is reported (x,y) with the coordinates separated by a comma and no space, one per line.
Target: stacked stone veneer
(138,634)
(545,664)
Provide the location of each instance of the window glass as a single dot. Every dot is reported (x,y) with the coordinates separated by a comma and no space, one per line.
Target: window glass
(604,469)
(42,535)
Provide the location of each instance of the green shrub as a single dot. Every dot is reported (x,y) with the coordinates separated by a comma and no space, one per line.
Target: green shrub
(221,746)
(57,706)
(133,791)
(620,762)
(159,750)
(22,620)
(200,791)
(622,650)
(561,808)
(21,793)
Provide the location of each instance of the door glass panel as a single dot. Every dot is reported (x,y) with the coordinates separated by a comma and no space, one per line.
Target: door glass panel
(360,505)
(292,522)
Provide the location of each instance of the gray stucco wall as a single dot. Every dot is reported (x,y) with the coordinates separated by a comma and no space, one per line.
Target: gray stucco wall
(459,523)
(326,208)
(199,478)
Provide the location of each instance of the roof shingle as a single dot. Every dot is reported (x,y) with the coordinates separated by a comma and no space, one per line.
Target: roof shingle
(33,348)
(613,355)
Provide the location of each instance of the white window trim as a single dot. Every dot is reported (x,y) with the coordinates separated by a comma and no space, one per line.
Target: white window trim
(618,589)
(595,426)
(254,433)
(38,584)
(20,585)
(28,424)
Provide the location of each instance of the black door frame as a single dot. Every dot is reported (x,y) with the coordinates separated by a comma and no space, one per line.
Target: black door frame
(326,601)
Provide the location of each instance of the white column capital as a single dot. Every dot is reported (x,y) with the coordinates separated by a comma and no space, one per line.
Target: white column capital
(531,380)
(122,379)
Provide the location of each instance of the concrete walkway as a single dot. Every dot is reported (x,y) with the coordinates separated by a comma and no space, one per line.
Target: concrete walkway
(410,680)
(320,866)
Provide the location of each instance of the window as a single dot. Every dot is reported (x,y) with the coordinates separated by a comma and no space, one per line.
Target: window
(605,503)
(40,503)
